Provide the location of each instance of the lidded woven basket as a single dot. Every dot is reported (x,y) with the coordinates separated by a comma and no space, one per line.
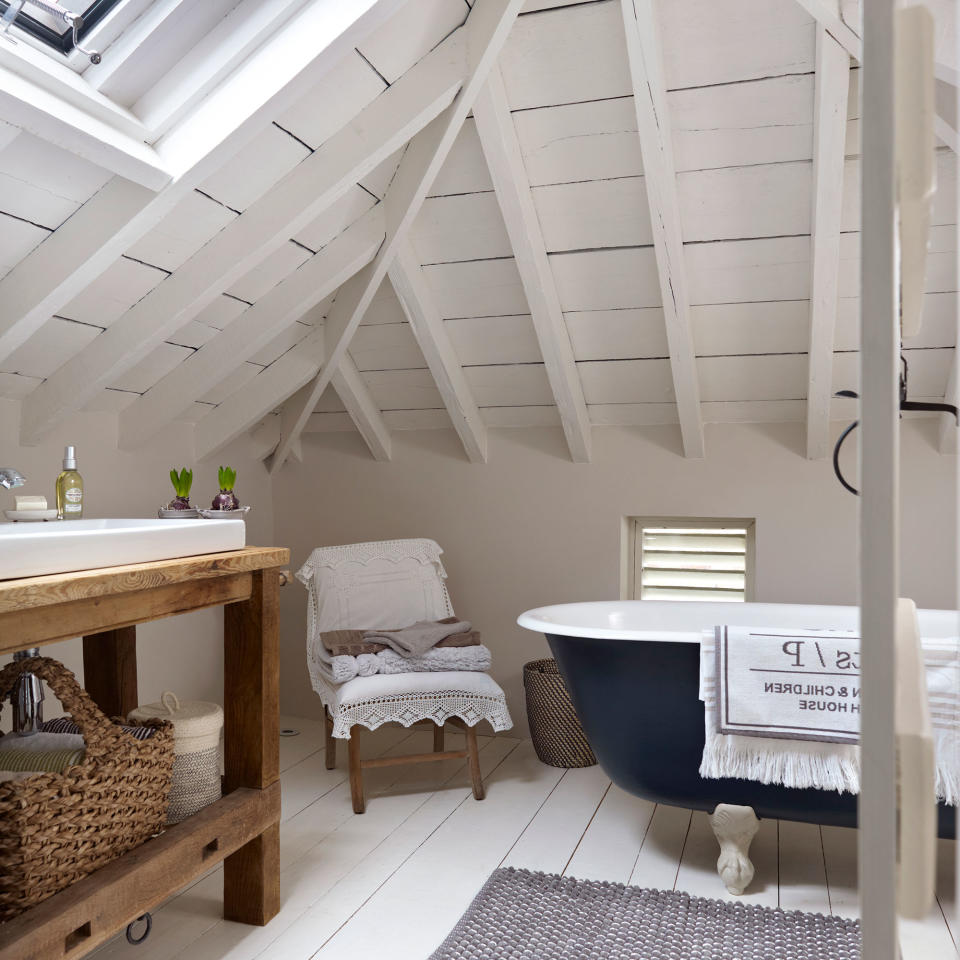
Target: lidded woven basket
(55,828)
(555,729)
(196,745)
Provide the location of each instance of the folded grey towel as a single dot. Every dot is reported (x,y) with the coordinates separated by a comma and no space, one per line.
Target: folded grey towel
(419,637)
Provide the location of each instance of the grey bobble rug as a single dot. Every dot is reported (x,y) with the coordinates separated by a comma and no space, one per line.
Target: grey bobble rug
(519,915)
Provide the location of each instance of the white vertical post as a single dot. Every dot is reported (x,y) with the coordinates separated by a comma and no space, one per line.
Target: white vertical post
(879,485)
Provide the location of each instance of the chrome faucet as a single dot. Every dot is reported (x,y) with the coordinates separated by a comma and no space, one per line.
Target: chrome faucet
(27,698)
(11,478)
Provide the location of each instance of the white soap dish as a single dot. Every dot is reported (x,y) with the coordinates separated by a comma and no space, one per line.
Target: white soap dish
(24,516)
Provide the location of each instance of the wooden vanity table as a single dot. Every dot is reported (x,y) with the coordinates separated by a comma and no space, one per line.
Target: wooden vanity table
(242,829)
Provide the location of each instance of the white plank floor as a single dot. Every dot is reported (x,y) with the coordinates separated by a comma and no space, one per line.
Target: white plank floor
(404,872)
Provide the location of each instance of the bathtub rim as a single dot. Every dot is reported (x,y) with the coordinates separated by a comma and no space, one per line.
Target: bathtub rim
(683,621)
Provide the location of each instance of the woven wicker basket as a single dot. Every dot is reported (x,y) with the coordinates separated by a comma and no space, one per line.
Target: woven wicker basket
(555,729)
(57,827)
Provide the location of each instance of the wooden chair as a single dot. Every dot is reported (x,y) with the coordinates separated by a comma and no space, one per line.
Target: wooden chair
(389,584)
(471,753)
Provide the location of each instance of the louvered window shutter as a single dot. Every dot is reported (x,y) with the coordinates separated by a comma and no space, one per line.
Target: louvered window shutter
(692,563)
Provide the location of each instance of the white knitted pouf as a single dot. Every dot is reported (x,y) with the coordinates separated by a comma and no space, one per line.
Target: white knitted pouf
(196,746)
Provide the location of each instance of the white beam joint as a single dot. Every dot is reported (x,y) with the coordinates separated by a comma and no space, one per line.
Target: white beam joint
(827,14)
(486,30)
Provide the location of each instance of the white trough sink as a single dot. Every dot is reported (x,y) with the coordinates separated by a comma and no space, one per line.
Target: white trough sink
(35,549)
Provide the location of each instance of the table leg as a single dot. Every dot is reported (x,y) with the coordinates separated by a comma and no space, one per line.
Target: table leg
(110,670)
(251,876)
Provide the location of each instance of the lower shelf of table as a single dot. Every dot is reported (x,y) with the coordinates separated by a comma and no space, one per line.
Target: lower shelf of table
(89,912)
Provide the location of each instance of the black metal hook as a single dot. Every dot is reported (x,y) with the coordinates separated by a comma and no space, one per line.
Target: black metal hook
(905,404)
(136,941)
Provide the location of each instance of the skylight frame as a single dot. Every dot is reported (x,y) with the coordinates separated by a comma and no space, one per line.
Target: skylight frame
(62,43)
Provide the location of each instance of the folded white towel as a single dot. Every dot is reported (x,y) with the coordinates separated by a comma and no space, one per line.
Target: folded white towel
(341,669)
(825,764)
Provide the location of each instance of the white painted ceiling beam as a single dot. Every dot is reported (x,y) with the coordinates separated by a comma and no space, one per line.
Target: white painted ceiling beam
(356,397)
(827,15)
(498,139)
(829,138)
(73,256)
(118,216)
(379,130)
(282,306)
(428,327)
(261,396)
(486,29)
(660,178)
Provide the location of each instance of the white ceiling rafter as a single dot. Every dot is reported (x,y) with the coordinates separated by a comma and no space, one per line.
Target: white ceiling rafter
(283,305)
(108,224)
(355,396)
(486,31)
(498,139)
(245,408)
(428,327)
(653,125)
(831,87)
(266,225)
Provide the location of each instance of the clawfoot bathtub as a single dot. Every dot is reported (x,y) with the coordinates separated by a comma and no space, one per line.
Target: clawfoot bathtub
(633,670)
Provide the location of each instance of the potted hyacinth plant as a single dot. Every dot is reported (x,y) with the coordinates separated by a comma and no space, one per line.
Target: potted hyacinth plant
(226,499)
(182,482)
(180,505)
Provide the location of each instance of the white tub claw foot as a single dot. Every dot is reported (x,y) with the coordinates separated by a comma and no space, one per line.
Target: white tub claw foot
(734,827)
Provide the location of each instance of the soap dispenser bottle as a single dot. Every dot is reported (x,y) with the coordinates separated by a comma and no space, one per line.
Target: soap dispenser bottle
(70,488)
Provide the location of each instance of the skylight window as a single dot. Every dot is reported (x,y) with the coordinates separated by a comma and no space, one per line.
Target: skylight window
(58,24)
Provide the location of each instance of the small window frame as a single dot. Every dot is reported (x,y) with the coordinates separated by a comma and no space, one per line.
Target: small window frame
(631,529)
(61,43)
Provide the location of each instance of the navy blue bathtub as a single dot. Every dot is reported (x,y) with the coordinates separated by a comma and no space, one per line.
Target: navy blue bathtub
(637,698)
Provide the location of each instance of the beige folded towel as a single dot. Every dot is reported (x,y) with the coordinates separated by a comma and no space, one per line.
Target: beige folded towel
(419,637)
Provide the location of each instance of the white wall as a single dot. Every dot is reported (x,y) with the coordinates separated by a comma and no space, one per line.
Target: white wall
(532,528)
(183,654)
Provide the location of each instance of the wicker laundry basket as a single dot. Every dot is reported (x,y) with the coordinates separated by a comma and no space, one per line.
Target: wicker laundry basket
(55,828)
(196,745)
(555,729)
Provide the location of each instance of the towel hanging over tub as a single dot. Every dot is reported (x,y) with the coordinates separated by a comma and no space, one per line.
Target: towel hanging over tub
(786,707)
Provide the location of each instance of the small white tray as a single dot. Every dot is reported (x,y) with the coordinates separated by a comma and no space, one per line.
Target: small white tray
(25,516)
(224,514)
(164,514)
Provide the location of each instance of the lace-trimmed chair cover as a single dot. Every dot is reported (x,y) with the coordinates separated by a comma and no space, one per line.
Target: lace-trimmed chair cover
(390,583)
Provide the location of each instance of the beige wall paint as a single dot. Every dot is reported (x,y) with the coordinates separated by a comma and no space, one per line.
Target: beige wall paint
(531,528)
(184,653)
